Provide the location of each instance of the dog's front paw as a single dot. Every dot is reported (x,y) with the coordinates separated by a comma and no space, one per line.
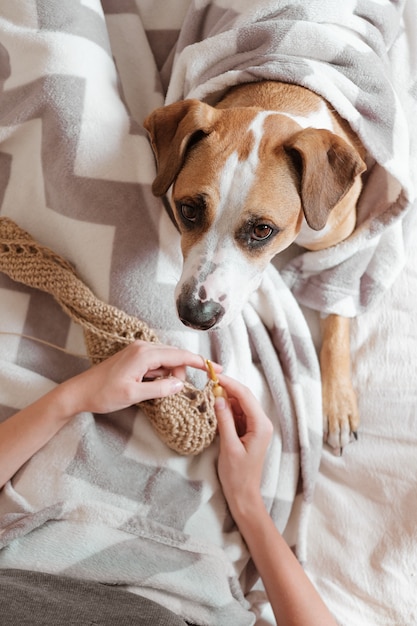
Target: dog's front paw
(340,413)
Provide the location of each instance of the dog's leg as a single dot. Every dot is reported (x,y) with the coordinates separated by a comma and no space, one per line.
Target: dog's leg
(340,409)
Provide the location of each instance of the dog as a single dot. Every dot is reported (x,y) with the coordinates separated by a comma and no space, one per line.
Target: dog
(270,164)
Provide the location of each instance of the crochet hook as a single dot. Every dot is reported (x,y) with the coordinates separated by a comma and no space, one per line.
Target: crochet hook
(218,390)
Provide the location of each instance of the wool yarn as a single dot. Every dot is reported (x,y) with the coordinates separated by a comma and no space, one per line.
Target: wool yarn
(186,421)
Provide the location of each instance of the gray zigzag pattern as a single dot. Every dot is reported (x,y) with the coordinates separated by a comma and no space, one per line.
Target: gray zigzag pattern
(73,18)
(58,101)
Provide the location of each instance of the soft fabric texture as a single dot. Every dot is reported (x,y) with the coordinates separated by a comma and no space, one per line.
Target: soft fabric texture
(106,500)
(363,532)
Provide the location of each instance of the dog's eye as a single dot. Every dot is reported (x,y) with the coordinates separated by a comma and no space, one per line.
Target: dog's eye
(261,232)
(255,234)
(189,212)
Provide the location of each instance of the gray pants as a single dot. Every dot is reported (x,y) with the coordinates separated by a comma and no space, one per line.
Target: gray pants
(37,599)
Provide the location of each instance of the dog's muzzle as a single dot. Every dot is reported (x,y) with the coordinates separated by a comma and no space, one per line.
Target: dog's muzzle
(197,313)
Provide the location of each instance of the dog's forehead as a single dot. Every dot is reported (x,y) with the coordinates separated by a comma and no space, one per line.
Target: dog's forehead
(240,138)
(238,177)
(243,129)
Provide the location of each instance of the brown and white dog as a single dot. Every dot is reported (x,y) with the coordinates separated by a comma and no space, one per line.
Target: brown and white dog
(269,165)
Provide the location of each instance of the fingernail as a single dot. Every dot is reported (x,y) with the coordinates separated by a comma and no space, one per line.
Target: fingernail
(220,403)
(176,385)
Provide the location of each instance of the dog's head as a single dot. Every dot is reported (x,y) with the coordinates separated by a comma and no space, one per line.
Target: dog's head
(242,180)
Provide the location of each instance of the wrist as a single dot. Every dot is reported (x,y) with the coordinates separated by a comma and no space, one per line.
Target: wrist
(64,401)
(247,508)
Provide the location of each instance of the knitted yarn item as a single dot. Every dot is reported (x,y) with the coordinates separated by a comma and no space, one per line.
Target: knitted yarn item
(186,421)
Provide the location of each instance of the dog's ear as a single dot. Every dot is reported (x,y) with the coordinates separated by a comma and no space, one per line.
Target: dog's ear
(328,166)
(172,129)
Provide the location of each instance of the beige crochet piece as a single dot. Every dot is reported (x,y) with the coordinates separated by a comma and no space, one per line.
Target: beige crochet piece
(186,421)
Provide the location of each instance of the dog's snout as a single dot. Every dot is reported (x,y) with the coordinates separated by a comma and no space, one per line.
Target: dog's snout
(198,314)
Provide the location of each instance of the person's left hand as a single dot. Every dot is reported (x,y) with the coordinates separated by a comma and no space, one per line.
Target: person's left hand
(139,372)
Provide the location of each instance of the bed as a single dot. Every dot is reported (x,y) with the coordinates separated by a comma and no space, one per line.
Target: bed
(76,169)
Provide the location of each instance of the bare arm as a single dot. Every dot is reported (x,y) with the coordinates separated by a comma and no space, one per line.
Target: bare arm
(245,432)
(139,372)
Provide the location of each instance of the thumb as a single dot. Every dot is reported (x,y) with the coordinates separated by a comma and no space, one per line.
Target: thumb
(161,388)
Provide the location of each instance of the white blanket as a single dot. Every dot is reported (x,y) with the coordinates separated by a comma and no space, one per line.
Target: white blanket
(75,171)
(106,499)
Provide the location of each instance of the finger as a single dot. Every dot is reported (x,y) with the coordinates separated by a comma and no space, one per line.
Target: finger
(249,405)
(159,373)
(160,388)
(225,422)
(162,372)
(173,357)
(256,420)
(179,372)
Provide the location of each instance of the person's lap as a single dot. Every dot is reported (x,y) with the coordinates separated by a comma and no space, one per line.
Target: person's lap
(37,599)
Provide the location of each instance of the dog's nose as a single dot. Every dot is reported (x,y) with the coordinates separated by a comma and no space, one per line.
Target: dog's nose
(197,314)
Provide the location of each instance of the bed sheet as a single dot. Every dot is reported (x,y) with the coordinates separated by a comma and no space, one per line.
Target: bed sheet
(362,534)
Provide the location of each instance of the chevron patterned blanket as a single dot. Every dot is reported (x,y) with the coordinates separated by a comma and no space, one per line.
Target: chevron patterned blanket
(106,499)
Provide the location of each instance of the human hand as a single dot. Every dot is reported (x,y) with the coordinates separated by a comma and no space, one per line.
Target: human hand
(139,372)
(245,433)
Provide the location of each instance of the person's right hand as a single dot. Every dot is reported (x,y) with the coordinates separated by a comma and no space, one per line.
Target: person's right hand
(245,432)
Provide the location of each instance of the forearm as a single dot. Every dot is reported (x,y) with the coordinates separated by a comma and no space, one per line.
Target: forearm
(143,370)
(30,429)
(293,597)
